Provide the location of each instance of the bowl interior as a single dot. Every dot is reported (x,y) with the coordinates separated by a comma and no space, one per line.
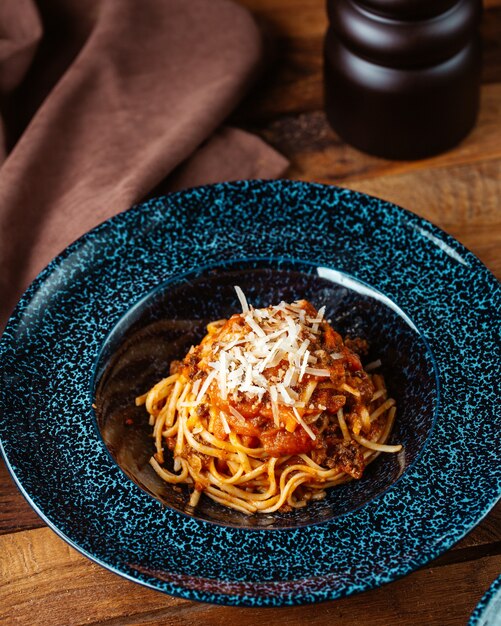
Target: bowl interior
(164,325)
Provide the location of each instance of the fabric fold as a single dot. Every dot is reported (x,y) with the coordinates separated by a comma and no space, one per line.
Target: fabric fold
(141,99)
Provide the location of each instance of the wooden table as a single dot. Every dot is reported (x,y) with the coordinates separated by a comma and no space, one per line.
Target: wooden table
(44,581)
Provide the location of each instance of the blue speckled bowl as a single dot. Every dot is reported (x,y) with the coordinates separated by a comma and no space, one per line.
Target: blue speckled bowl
(488,610)
(105,317)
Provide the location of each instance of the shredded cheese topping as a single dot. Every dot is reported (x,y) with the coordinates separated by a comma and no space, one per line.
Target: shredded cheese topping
(269,337)
(265,354)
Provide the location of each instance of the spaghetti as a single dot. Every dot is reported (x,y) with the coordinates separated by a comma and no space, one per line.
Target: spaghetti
(269,410)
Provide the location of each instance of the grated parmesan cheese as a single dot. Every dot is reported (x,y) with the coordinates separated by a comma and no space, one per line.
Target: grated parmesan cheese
(304,424)
(242,298)
(265,355)
(317,371)
(226,426)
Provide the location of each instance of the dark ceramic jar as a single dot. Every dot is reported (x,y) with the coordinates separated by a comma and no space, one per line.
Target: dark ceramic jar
(402,77)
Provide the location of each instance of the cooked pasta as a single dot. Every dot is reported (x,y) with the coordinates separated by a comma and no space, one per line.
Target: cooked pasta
(269,410)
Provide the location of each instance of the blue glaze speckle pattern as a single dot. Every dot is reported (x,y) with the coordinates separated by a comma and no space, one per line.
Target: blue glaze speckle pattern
(488,610)
(163,326)
(55,336)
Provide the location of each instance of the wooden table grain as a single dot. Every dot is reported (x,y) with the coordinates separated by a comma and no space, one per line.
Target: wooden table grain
(44,581)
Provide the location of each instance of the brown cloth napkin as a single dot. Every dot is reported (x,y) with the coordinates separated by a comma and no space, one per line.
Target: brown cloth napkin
(100,101)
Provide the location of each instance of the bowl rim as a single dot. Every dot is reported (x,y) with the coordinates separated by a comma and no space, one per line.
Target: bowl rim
(436,236)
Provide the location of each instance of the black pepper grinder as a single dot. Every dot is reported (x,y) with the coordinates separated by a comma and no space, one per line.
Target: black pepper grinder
(402,77)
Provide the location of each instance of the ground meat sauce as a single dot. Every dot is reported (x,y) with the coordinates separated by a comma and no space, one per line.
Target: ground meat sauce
(348,387)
